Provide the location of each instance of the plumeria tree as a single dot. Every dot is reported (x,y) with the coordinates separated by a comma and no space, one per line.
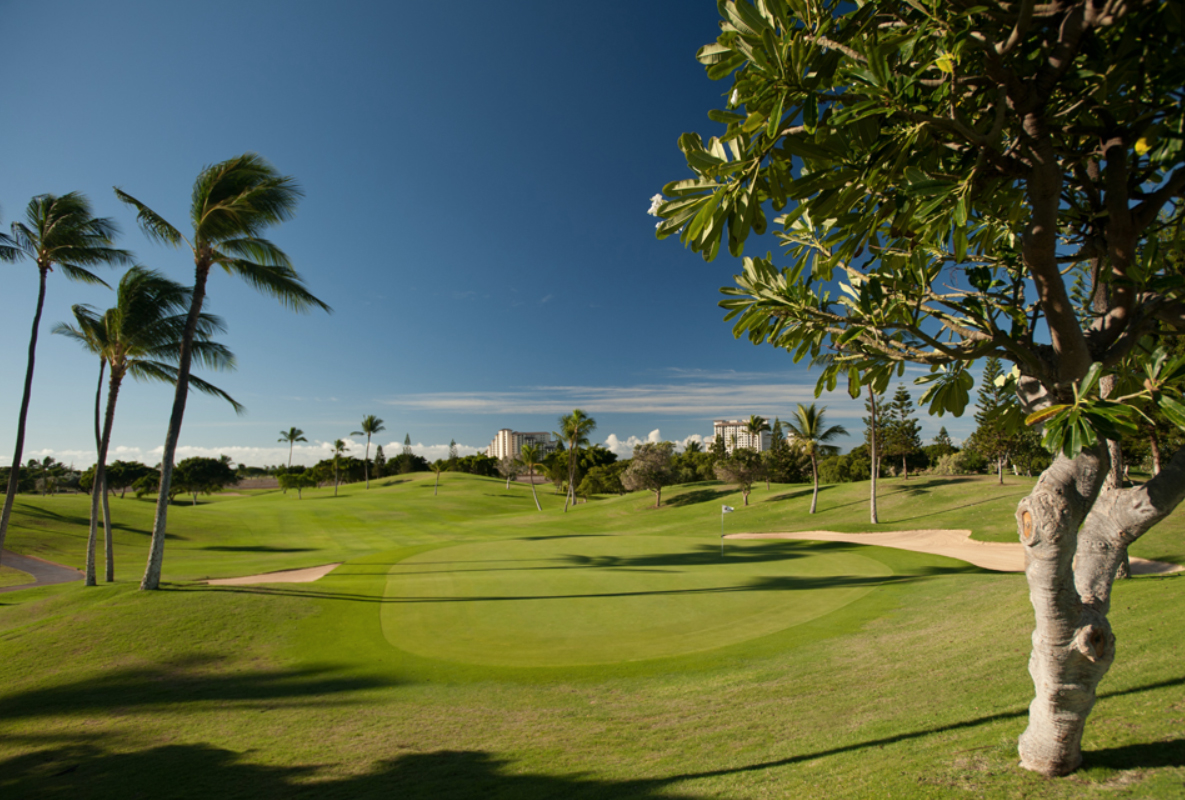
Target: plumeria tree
(962,180)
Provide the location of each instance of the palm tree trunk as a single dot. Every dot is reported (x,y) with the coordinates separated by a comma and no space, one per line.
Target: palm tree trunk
(97,488)
(875,455)
(109,545)
(100,493)
(815,475)
(156,548)
(366,462)
(531,478)
(14,475)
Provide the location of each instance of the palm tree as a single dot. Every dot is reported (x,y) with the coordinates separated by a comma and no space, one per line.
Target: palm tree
(530,457)
(233,203)
(756,426)
(574,429)
(339,448)
(370,425)
(140,337)
(57,231)
(810,429)
(292,436)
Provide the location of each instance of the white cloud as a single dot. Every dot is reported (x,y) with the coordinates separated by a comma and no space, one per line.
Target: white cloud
(625,449)
(702,399)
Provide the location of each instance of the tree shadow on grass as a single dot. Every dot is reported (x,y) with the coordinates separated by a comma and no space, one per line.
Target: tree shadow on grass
(79,765)
(205,770)
(187,680)
(83,522)
(698,496)
(262,548)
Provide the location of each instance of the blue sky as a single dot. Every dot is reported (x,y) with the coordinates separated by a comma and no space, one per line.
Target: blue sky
(476,178)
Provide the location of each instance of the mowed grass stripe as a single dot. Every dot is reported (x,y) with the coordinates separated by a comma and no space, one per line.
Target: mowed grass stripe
(602,600)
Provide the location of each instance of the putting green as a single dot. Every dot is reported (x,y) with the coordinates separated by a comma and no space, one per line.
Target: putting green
(582,600)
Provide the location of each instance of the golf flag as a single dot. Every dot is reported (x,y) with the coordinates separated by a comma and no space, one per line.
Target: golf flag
(726,509)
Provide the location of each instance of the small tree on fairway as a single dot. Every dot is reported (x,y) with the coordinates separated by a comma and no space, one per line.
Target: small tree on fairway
(292,436)
(811,431)
(756,426)
(202,476)
(742,467)
(232,204)
(947,173)
(370,426)
(58,231)
(509,468)
(650,468)
(298,481)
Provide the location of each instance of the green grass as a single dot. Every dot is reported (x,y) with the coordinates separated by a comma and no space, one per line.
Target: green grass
(14,577)
(350,686)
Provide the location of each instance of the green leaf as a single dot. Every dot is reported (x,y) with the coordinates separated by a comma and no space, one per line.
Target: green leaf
(1174,410)
(1045,414)
(810,114)
(775,119)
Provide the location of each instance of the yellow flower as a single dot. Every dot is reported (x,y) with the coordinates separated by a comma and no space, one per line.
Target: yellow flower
(946,62)
(1142,146)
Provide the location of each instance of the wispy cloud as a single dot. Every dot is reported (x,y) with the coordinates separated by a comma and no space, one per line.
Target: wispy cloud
(692,398)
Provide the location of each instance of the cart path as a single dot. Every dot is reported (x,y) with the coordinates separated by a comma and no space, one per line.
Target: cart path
(997,556)
(45,572)
(283,576)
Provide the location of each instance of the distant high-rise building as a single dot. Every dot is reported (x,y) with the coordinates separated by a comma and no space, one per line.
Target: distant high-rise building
(738,428)
(510,443)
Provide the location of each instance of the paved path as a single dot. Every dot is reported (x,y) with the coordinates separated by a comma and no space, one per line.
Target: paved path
(46,572)
(998,556)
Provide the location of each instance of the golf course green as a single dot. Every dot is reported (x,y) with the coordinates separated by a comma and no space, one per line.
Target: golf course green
(570,600)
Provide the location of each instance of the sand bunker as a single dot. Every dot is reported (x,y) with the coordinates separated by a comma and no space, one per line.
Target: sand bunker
(998,556)
(307,575)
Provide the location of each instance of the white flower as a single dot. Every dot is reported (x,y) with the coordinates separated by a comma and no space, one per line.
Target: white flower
(733,100)
(655,202)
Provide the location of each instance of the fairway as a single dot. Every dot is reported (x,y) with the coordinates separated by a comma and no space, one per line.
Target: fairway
(584,600)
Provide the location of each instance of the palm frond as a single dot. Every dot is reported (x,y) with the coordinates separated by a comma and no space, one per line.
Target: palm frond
(282,283)
(154,225)
(213,355)
(241,197)
(261,251)
(82,276)
(167,373)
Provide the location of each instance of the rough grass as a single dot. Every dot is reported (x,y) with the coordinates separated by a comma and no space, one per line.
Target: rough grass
(917,689)
(14,577)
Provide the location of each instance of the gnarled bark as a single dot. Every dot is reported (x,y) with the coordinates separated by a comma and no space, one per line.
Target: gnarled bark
(1072,642)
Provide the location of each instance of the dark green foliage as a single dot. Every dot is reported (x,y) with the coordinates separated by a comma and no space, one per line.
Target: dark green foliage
(743,468)
(476,464)
(604,479)
(199,475)
(902,431)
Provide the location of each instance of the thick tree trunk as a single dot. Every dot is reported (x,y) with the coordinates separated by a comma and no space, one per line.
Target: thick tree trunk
(1072,642)
(156,548)
(14,474)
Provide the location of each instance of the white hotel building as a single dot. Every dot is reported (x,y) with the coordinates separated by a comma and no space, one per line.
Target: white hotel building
(510,443)
(738,428)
